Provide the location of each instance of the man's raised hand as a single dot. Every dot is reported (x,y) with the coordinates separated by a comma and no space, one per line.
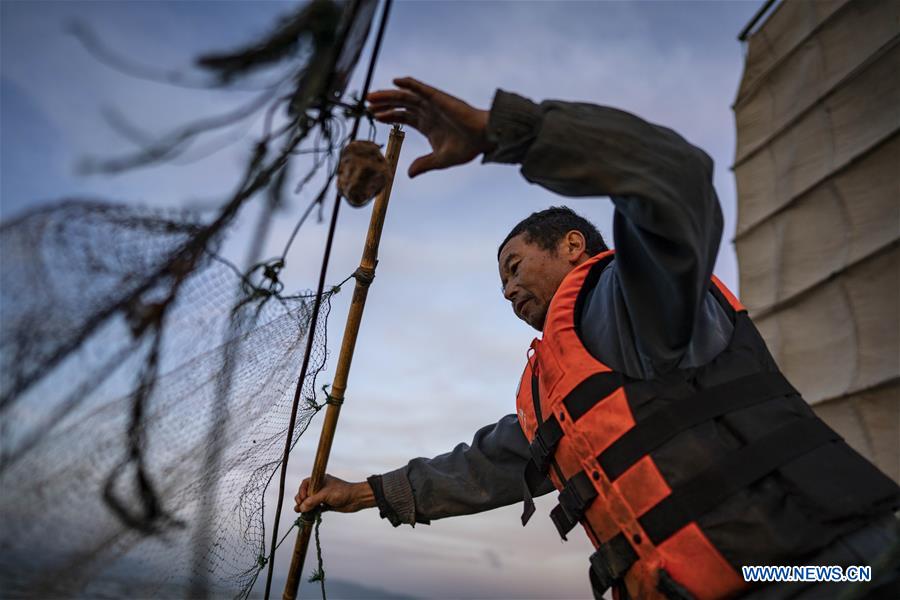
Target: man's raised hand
(456,131)
(336,494)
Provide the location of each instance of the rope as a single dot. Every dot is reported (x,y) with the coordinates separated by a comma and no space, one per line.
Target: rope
(296,523)
(337,288)
(319,573)
(270,272)
(317,201)
(261,560)
(329,399)
(271,285)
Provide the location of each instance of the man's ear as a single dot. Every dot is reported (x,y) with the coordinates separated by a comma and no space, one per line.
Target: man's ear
(575,246)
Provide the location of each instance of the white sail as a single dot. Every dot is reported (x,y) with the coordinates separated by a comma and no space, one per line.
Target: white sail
(817,166)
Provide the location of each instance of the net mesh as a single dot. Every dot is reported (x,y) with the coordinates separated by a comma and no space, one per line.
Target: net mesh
(146,383)
(71,445)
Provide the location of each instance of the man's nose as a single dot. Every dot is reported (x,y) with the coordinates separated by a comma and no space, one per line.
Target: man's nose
(509,291)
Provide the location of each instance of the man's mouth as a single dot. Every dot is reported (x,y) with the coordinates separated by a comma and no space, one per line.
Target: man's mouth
(521,304)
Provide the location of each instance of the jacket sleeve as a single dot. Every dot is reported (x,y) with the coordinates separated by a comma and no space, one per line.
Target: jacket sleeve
(667,222)
(666,227)
(470,478)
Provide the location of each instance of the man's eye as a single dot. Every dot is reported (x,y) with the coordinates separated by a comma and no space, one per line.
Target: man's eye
(514,268)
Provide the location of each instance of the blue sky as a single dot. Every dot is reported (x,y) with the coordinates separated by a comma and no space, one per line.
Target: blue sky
(440,352)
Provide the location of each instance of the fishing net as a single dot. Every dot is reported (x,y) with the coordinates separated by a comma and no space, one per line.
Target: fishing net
(74,512)
(146,382)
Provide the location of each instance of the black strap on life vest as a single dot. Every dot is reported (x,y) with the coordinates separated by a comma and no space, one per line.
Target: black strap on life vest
(610,563)
(591,391)
(575,498)
(530,480)
(542,447)
(549,432)
(664,424)
(544,443)
(578,492)
(735,471)
(585,395)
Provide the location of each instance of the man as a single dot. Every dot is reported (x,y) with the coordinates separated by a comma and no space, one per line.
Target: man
(651,401)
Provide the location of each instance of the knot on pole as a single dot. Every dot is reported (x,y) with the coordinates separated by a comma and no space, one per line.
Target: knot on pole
(308,517)
(364,275)
(329,399)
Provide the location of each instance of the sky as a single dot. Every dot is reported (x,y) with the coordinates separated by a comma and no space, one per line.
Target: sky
(440,352)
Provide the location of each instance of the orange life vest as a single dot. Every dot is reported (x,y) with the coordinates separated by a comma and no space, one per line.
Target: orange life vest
(681,480)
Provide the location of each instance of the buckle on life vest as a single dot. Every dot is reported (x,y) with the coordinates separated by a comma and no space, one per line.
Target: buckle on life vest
(544,444)
(610,563)
(574,500)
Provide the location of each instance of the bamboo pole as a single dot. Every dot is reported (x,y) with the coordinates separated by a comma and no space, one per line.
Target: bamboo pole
(364,276)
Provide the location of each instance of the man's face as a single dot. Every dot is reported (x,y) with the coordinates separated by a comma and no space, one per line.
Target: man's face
(530,274)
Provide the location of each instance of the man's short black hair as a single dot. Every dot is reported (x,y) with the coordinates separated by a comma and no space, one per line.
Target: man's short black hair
(547,227)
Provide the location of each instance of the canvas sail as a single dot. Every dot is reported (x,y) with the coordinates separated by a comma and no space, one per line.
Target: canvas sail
(817,167)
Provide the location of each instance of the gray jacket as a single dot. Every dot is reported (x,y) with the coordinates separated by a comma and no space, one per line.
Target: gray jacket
(666,228)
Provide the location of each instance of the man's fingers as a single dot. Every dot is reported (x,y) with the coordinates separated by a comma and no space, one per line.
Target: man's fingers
(304,490)
(312,502)
(301,494)
(423,164)
(394,99)
(404,117)
(424,90)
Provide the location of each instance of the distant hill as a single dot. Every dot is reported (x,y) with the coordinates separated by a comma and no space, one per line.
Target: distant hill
(337,589)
